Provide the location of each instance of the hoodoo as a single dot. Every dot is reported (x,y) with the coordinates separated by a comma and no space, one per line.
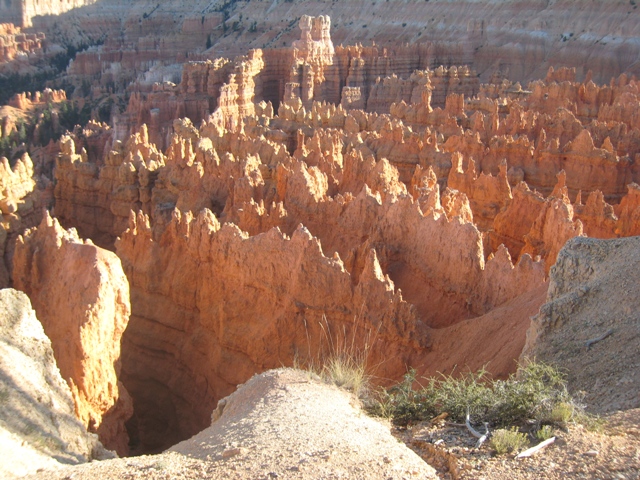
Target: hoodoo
(81,296)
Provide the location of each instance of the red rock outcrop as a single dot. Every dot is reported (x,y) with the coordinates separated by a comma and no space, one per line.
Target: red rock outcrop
(26,100)
(310,292)
(14,43)
(21,202)
(81,296)
(488,195)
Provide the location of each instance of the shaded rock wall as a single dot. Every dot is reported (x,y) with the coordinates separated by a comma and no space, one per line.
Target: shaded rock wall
(21,13)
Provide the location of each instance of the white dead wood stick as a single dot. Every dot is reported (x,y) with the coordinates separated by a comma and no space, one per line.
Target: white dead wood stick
(530,451)
(482,437)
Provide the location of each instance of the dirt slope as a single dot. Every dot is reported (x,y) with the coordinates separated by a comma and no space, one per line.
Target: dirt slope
(590,325)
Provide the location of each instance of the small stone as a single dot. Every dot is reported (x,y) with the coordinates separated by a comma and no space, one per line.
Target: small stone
(231,452)
(591,453)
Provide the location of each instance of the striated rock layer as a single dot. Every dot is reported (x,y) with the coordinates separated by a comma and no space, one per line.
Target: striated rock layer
(81,296)
(520,39)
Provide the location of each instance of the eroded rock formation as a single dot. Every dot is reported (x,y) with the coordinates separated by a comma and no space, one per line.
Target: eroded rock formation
(279,284)
(267,206)
(14,43)
(81,296)
(413,212)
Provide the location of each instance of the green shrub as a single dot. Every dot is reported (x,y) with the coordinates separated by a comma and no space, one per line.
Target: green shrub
(532,393)
(562,413)
(544,433)
(507,441)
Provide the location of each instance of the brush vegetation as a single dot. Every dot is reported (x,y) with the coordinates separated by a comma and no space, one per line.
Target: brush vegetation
(508,440)
(536,392)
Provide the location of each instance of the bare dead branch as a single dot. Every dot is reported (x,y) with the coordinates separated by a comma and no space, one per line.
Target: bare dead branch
(482,437)
(530,451)
(598,339)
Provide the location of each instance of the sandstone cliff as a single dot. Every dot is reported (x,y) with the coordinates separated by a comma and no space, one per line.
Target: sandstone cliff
(81,296)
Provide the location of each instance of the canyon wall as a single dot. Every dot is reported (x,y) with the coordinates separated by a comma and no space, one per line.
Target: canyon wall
(251,302)
(410,227)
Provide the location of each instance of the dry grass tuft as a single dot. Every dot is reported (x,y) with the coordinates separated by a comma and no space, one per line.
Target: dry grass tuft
(342,359)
